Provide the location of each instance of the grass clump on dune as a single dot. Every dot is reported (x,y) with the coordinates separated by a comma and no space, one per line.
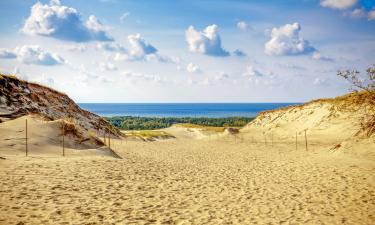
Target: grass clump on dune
(201,127)
(149,135)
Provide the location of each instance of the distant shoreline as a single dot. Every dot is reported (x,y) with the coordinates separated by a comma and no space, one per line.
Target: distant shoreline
(181,110)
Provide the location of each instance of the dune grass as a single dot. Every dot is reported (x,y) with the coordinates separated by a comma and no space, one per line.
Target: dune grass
(201,127)
(149,135)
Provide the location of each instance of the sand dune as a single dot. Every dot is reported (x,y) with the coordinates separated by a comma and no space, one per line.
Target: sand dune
(256,176)
(186,181)
(45,138)
(337,123)
(19,98)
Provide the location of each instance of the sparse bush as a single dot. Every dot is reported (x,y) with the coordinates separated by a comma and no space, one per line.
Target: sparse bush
(359,82)
(367,84)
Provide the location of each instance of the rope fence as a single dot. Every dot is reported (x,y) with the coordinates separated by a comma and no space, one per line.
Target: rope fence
(267,139)
(25,140)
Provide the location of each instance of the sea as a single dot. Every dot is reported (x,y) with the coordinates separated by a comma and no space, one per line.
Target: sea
(212,110)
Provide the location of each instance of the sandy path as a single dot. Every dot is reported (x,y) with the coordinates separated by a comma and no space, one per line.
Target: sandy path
(189,182)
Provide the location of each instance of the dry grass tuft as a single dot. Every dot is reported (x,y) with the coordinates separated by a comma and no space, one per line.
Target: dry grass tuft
(368,126)
(69,127)
(201,127)
(149,135)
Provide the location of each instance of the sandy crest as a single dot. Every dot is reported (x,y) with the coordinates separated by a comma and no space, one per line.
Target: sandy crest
(190,181)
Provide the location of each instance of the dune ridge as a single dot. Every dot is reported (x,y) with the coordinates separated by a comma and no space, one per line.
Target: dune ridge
(19,98)
(345,122)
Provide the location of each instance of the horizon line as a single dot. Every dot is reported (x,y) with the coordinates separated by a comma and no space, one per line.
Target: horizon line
(189,102)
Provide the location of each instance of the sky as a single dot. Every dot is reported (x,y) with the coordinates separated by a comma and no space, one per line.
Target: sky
(188,50)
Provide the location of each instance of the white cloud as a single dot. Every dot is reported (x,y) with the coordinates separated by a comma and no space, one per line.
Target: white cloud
(356,13)
(338,4)
(7,54)
(207,42)
(251,72)
(124,16)
(371,15)
(62,22)
(242,25)
(110,46)
(192,68)
(32,54)
(139,49)
(107,66)
(286,40)
(318,56)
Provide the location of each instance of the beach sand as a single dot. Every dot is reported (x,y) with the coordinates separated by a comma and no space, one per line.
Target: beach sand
(212,180)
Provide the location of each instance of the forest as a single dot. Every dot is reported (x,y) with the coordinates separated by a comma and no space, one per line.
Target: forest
(151,123)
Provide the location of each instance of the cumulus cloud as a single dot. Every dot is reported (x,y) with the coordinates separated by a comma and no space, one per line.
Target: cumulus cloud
(32,54)
(62,22)
(7,54)
(338,4)
(242,25)
(206,42)
(192,68)
(107,66)
(286,40)
(139,49)
(238,52)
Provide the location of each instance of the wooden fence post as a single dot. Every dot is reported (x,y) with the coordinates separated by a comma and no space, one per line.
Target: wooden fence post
(296,141)
(109,140)
(306,139)
(104,139)
(63,139)
(26,140)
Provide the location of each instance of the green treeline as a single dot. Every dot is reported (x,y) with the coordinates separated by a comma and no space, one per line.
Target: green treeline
(150,123)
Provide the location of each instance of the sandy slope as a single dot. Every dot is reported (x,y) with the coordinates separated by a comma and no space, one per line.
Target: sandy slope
(329,124)
(190,181)
(44,139)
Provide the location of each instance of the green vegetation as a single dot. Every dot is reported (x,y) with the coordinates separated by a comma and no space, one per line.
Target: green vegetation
(201,127)
(151,123)
(148,135)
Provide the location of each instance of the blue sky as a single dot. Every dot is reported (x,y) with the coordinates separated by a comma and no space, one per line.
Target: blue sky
(188,51)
